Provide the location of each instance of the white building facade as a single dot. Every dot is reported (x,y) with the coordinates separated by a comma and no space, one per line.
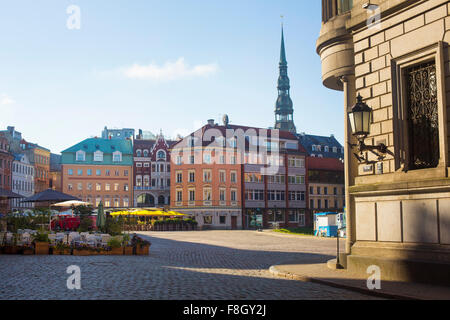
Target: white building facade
(22,181)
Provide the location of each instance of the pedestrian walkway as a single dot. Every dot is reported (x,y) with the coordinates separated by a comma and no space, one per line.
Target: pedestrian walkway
(320,273)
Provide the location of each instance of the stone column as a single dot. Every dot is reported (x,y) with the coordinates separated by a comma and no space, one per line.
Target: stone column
(350,165)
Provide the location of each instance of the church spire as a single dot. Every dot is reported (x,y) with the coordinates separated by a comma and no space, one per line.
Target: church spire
(283,60)
(284,110)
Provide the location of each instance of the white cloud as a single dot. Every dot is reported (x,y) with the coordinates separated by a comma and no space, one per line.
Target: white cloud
(6,100)
(169,71)
(7,108)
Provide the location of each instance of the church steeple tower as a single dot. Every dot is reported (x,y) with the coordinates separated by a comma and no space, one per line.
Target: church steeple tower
(284,111)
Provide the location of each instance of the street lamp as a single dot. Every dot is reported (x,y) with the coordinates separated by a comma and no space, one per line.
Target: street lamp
(360,120)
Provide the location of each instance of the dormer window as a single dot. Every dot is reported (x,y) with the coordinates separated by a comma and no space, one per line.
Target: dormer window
(98,156)
(117,156)
(81,156)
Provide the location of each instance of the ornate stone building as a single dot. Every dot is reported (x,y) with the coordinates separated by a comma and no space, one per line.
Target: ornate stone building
(395,54)
(151,171)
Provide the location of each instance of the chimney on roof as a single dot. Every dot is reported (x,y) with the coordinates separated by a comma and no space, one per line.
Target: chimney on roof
(211,122)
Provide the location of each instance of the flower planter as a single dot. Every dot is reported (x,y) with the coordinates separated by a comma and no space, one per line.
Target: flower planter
(64,252)
(143,251)
(128,251)
(28,251)
(116,251)
(41,248)
(82,252)
(11,250)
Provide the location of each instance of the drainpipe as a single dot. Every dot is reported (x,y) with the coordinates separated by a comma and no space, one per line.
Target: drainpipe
(350,166)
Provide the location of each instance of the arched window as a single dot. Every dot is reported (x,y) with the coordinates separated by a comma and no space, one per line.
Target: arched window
(161,155)
(117,156)
(146,153)
(81,156)
(139,153)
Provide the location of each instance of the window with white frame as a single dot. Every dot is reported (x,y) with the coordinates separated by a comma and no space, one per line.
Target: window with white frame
(81,156)
(207,176)
(117,156)
(207,194)
(98,156)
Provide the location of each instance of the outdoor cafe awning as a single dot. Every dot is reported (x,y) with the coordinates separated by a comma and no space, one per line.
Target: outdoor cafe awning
(71,203)
(148,213)
(7,194)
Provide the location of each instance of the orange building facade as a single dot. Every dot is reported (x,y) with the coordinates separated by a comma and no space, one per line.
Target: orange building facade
(99,170)
(236,177)
(110,184)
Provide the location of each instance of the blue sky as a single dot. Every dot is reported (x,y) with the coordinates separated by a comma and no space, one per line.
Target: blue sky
(154,65)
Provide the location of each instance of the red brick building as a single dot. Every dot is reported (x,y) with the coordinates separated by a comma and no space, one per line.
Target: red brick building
(6,160)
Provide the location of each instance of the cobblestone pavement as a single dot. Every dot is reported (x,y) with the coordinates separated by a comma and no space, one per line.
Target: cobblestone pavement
(223,265)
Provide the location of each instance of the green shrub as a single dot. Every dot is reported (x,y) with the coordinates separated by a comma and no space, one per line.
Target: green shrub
(85,224)
(41,237)
(114,243)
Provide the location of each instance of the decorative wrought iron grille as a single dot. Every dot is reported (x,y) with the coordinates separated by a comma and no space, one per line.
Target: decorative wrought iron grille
(423,126)
(332,8)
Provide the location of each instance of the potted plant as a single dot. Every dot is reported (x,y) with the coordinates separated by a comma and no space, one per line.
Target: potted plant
(142,246)
(11,248)
(41,243)
(127,247)
(115,247)
(81,250)
(27,249)
(62,249)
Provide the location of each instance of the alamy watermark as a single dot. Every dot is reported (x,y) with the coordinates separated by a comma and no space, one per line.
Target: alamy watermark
(374,281)
(74,280)
(374,20)
(74,19)
(233,146)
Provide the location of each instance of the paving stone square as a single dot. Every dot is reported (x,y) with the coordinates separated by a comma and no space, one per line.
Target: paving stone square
(206,265)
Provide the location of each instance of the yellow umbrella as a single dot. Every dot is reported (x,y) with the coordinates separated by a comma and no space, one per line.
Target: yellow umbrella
(148,213)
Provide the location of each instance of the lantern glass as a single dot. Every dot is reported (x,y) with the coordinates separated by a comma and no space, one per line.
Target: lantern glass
(360,119)
(351,116)
(367,119)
